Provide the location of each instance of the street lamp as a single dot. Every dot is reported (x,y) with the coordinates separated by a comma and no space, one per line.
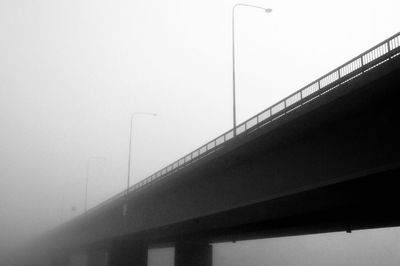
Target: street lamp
(87,176)
(267,10)
(130,146)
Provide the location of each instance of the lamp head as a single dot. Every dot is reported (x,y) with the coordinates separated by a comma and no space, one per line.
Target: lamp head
(268,10)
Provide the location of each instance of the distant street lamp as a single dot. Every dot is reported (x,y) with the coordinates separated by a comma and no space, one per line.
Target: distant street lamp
(87,176)
(130,146)
(125,205)
(267,10)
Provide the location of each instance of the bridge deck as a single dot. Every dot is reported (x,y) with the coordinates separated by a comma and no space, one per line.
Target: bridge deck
(350,70)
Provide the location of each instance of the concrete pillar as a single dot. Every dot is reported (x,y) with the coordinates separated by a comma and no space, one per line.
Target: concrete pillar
(193,254)
(126,253)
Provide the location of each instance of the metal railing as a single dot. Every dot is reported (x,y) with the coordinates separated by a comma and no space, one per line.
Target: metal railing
(373,57)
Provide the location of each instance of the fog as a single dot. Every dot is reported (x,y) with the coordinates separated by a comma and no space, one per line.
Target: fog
(72,73)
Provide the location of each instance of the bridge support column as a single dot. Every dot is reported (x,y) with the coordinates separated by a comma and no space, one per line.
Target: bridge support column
(193,254)
(126,253)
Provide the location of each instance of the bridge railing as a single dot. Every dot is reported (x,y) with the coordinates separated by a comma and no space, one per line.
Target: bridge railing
(373,57)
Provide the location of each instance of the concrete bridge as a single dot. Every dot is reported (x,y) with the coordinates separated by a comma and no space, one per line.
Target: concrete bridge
(326,158)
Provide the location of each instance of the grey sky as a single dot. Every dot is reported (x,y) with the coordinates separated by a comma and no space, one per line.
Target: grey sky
(72,72)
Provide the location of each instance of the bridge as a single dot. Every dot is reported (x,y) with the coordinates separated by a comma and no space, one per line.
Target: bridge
(326,158)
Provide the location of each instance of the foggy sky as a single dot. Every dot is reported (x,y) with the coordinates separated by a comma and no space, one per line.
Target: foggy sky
(72,72)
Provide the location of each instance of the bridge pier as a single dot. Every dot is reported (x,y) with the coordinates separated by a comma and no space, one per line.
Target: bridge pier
(193,254)
(127,253)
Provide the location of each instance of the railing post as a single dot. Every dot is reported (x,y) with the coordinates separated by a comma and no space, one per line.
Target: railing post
(284,106)
(362,63)
(388,48)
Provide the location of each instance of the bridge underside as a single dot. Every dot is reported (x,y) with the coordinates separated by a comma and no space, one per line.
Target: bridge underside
(359,203)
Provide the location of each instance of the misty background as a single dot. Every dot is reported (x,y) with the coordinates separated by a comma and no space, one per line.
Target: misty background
(72,73)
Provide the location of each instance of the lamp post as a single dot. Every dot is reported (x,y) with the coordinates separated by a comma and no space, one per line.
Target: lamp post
(87,176)
(130,145)
(267,10)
